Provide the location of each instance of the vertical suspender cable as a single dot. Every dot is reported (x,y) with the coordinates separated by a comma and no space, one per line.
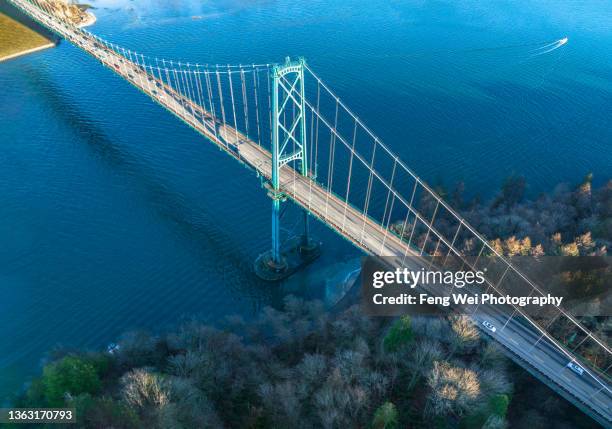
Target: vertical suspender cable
(389,188)
(433,218)
(316,160)
(403,234)
(181,76)
(177,85)
(198,85)
(211,103)
(311,146)
(229,74)
(162,84)
(293,142)
(245,102)
(169,80)
(368,192)
(222,108)
(386,204)
(255,83)
(350,170)
(268,78)
(146,74)
(190,93)
(332,153)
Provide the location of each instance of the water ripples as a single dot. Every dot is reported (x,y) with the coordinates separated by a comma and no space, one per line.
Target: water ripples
(116,216)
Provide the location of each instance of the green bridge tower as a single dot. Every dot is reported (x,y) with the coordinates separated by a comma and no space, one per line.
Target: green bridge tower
(288,146)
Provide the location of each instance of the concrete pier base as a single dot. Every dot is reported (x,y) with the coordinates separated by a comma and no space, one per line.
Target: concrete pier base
(295,254)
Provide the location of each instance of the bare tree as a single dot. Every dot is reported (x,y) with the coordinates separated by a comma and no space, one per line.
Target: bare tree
(142,389)
(454,390)
(466,335)
(425,353)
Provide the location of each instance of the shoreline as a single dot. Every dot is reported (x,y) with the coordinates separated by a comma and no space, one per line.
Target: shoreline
(91,19)
(27,51)
(88,21)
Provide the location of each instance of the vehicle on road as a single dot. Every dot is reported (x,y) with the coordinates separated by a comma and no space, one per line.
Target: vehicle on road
(489,326)
(576,368)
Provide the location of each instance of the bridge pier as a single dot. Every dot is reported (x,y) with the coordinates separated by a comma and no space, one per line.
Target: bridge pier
(283,260)
(308,244)
(276,260)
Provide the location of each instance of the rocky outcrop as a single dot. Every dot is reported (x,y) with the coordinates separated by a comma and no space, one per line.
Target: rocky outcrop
(70,12)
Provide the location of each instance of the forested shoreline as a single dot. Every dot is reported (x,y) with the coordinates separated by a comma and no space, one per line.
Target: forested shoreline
(302,366)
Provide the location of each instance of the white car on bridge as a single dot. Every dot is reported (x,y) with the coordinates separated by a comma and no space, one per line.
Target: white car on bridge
(576,368)
(489,326)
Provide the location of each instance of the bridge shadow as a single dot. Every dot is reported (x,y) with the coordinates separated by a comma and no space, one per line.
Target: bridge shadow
(14,13)
(195,227)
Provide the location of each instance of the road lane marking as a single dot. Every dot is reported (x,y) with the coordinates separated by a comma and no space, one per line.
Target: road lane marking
(600,402)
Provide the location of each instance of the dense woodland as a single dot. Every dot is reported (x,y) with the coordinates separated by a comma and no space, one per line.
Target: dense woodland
(569,222)
(560,240)
(303,366)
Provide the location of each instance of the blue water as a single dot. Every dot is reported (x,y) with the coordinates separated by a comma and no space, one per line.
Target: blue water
(116,216)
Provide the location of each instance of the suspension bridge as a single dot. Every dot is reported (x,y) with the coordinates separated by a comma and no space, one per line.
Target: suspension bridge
(285,124)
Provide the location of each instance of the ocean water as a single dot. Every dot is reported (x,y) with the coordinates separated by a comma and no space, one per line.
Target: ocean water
(115,216)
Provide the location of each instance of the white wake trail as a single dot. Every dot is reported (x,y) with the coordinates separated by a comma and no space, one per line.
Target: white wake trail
(551,47)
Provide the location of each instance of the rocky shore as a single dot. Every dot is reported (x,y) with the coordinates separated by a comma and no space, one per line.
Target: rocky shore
(74,13)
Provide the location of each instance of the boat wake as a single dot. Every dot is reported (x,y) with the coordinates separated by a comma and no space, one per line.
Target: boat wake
(549,47)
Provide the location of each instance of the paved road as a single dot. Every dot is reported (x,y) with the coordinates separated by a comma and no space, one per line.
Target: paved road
(546,357)
(524,342)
